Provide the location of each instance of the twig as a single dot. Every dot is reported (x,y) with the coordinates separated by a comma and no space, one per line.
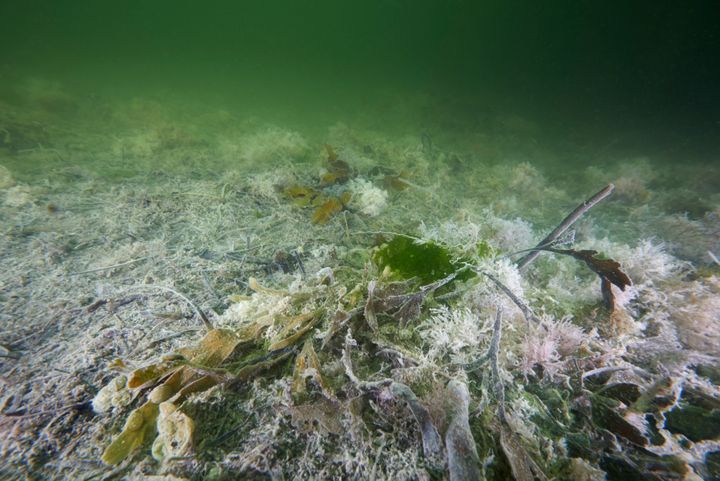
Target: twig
(527,312)
(714,258)
(205,320)
(387,232)
(463,459)
(603,370)
(566,223)
(61,409)
(493,354)
(523,467)
(432,443)
(161,340)
(99,269)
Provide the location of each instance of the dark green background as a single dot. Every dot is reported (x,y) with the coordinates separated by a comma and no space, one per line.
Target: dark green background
(648,66)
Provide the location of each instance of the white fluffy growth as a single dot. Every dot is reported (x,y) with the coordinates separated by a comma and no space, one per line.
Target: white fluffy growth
(248,311)
(370,200)
(458,333)
(547,347)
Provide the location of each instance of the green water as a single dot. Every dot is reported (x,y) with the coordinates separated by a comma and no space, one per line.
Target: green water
(564,87)
(643,71)
(163,160)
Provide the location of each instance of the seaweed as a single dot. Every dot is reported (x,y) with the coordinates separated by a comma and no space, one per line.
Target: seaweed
(426,262)
(325,206)
(338,172)
(174,380)
(302,196)
(139,428)
(326,210)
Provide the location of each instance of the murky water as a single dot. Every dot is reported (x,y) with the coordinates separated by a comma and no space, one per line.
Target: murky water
(206,147)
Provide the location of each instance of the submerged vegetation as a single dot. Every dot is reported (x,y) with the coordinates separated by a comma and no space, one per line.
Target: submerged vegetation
(362,327)
(276,308)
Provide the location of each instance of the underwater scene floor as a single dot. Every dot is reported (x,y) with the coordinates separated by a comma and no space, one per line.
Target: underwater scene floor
(192,293)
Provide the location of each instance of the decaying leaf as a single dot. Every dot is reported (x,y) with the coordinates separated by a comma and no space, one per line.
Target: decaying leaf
(339,319)
(144,375)
(251,370)
(255,286)
(179,379)
(432,443)
(307,365)
(608,414)
(292,339)
(369,311)
(302,196)
(175,431)
(395,182)
(139,428)
(332,155)
(171,386)
(213,349)
(328,209)
(292,323)
(200,383)
(338,170)
(607,269)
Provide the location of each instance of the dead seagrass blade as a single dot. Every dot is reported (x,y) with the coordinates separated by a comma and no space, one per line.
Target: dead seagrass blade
(139,427)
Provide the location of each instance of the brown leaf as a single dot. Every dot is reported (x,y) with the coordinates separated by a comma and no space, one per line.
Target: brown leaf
(307,365)
(302,196)
(338,320)
(338,170)
(307,322)
(214,348)
(517,457)
(144,375)
(328,209)
(607,269)
(370,307)
(175,433)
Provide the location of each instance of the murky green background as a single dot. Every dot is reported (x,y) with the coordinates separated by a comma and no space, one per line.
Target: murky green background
(644,72)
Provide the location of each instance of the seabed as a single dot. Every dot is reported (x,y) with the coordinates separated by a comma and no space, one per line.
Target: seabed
(200,295)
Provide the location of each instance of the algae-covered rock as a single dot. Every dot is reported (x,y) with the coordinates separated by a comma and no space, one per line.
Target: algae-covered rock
(694,422)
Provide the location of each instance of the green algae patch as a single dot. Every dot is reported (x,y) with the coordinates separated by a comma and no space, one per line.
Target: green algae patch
(425,261)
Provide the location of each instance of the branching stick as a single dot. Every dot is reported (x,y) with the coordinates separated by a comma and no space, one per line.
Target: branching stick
(565,224)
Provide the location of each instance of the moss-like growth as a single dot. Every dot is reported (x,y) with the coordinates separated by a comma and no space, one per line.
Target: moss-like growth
(427,262)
